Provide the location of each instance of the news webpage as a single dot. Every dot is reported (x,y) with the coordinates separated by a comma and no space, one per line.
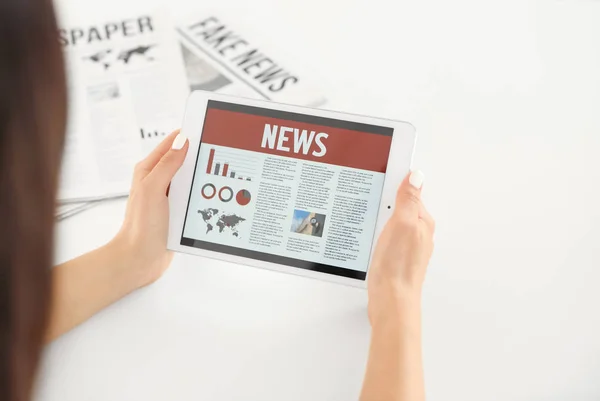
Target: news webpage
(288,188)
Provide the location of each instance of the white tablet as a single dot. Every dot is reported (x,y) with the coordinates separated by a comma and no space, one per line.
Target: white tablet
(286,188)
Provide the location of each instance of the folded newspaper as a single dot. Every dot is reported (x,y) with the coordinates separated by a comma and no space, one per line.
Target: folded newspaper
(128,83)
(69,209)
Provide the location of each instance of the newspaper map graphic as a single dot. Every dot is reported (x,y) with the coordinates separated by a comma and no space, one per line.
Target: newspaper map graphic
(106,59)
(224,222)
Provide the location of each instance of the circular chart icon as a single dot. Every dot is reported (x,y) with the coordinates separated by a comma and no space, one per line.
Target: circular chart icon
(208,191)
(243,197)
(229,195)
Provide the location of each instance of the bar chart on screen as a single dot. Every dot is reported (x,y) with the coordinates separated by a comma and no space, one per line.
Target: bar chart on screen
(231,164)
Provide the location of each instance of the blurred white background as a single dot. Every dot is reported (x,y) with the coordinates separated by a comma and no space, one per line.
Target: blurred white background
(506,98)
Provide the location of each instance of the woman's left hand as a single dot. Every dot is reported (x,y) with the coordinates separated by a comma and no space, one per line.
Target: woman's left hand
(135,257)
(143,237)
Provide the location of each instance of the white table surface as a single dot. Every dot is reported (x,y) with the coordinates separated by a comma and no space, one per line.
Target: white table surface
(506,98)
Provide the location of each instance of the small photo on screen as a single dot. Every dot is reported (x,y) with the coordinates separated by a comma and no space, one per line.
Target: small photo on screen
(308,223)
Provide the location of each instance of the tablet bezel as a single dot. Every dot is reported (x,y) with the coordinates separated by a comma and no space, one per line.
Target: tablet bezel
(399,161)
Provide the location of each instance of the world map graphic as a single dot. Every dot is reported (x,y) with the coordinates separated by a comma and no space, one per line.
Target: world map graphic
(107,57)
(225,223)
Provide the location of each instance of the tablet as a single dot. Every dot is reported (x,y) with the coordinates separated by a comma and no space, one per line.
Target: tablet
(286,188)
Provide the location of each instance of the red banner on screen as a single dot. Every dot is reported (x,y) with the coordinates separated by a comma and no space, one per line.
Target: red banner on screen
(343,147)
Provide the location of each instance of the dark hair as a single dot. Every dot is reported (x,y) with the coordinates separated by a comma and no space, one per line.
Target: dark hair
(32,125)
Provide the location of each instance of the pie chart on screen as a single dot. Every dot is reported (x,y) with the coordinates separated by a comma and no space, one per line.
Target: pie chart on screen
(243,197)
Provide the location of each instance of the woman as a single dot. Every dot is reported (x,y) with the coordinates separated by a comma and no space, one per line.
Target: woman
(38,303)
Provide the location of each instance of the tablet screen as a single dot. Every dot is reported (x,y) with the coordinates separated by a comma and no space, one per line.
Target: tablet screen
(288,188)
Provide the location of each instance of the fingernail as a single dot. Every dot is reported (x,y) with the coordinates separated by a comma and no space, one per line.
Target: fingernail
(416,179)
(179,141)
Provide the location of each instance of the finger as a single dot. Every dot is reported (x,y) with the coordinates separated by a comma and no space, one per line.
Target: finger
(408,199)
(426,217)
(161,175)
(144,167)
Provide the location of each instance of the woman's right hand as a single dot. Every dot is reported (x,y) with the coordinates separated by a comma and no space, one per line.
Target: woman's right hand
(395,368)
(403,251)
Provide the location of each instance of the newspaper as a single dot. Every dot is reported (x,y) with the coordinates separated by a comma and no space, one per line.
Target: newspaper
(220,59)
(67,210)
(128,83)
(127,89)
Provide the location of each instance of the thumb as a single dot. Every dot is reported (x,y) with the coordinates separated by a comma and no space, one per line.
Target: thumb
(408,199)
(161,175)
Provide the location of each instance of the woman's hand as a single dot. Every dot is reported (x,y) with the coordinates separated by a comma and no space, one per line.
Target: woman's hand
(143,237)
(403,250)
(134,258)
(394,370)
